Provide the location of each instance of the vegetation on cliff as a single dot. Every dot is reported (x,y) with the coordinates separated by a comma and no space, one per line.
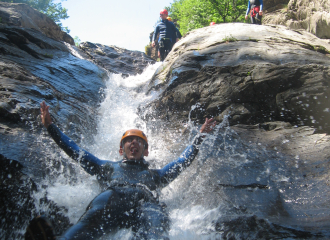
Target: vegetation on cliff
(193,14)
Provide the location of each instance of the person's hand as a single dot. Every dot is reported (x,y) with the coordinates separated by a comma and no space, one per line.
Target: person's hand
(246,17)
(153,44)
(208,125)
(260,13)
(45,116)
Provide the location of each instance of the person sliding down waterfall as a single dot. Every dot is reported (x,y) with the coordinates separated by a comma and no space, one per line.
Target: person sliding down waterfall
(255,10)
(128,201)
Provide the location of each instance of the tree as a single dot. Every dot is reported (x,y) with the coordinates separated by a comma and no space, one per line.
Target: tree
(53,10)
(77,41)
(193,14)
(230,10)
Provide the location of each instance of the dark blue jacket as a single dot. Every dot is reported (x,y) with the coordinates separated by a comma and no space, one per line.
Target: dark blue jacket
(166,29)
(255,3)
(125,172)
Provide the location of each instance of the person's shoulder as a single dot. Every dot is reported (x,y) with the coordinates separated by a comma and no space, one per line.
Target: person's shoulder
(159,23)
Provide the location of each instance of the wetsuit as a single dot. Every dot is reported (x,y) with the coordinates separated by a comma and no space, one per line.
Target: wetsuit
(254,6)
(167,32)
(130,199)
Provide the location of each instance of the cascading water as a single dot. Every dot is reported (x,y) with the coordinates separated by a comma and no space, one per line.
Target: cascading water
(232,190)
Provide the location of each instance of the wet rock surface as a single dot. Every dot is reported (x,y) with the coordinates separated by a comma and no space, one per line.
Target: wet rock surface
(17,205)
(22,15)
(115,59)
(312,16)
(268,87)
(269,165)
(253,74)
(39,62)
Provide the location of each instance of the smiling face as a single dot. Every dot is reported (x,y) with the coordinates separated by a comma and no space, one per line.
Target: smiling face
(133,148)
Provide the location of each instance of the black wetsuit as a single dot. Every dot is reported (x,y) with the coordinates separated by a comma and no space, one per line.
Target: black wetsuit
(167,37)
(130,199)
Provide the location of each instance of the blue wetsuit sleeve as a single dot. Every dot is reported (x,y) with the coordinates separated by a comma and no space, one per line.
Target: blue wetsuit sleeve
(155,33)
(172,170)
(261,4)
(248,9)
(87,160)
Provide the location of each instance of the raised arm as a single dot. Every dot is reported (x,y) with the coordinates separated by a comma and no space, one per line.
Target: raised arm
(173,169)
(87,160)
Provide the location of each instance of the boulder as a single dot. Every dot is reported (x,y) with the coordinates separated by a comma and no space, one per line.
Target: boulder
(38,63)
(253,74)
(312,16)
(22,15)
(115,59)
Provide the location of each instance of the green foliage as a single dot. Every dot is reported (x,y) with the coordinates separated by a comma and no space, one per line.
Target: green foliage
(193,14)
(147,50)
(48,55)
(230,39)
(321,49)
(77,41)
(53,10)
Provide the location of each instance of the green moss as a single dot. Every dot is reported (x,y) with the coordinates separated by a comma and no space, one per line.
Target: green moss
(321,49)
(229,39)
(48,55)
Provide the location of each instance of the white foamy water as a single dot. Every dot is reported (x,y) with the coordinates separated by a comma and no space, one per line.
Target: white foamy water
(117,113)
(196,201)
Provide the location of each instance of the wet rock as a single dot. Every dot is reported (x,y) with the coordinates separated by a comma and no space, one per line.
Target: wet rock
(38,63)
(253,74)
(17,203)
(22,15)
(312,16)
(117,60)
(256,228)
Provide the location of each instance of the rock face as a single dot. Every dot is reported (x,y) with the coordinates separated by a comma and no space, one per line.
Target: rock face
(22,15)
(269,83)
(115,59)
(268,86)
(313,16)
(38,63)
(254,75)
(273,5)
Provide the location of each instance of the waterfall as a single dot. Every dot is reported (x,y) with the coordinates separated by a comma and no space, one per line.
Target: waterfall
(231,184)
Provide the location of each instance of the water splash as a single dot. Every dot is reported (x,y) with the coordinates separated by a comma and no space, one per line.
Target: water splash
(231,182)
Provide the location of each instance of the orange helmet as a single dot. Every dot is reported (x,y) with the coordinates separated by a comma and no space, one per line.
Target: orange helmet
(212,23)
(136,133)
(164,11)
(169,18)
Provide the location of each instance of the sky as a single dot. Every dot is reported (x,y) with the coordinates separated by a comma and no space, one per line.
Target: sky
(123,23)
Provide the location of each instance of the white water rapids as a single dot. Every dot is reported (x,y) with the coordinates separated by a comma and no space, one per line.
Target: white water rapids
(232,188)
(118,112)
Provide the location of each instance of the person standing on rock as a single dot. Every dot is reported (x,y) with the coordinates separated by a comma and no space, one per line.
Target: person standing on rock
(129,199)
(167,34)
(255,10)
(178,34)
